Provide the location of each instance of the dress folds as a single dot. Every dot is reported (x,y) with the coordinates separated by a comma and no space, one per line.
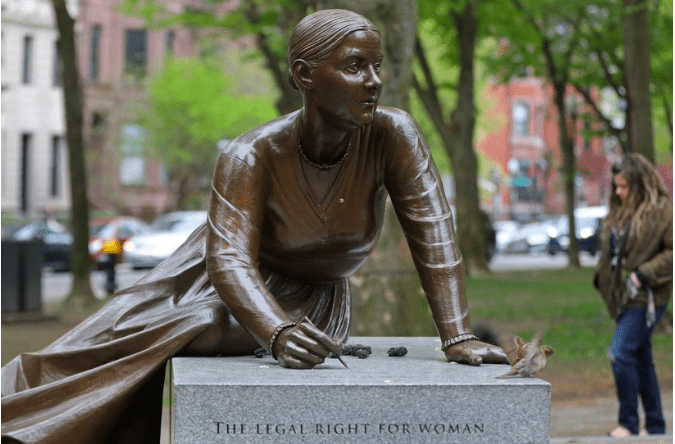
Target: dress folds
(270,252)
(97,383)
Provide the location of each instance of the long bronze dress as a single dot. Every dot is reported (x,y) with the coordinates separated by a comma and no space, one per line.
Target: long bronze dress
(271,250)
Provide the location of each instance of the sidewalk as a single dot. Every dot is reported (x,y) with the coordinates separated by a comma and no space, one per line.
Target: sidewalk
(589,420)
(662,439)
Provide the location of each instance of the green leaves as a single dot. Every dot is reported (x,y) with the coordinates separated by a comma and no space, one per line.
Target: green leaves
(191,107)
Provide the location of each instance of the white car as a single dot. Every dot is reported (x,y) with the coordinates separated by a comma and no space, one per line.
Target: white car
(529,238)
(505,230)
(168,233)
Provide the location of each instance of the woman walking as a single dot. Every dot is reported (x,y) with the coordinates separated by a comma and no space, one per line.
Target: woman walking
(635,278)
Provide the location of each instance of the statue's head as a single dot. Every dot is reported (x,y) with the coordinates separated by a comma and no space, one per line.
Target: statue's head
(317,35)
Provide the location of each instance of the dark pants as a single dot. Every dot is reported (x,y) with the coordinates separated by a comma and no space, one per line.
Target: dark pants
(631,354)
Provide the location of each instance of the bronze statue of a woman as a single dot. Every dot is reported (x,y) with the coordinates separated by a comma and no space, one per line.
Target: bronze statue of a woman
(296,207)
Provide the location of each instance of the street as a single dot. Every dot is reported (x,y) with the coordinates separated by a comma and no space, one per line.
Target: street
(505,262)
(56,286)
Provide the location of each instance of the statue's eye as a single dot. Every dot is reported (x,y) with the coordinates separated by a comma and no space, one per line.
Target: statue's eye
(353,68)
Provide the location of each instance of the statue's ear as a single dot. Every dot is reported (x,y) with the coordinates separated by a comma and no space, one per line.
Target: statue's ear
(301,75)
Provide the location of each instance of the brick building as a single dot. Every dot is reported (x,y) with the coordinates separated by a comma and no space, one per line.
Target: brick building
(527,160)
(117,54)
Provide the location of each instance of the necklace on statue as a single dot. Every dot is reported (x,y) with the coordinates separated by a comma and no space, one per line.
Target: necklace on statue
(324,166)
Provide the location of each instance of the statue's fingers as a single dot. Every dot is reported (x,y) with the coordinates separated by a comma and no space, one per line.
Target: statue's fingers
(495,355)
(293,352)
(463,354)
(291,362)
(321,337)
(298,351)
(474,359)
(315,347)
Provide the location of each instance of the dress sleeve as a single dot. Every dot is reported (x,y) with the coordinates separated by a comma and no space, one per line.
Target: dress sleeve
(234,221)
(416,191)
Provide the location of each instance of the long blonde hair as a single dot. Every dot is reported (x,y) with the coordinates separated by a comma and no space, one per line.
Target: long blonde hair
(646,191)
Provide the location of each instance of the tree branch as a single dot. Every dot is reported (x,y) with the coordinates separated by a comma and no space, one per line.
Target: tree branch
(286,103)
(598,112)
(431,93)
(521,6)
(574,41)
(608,75)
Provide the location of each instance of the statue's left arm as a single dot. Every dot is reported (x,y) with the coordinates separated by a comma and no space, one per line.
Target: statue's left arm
(416,192)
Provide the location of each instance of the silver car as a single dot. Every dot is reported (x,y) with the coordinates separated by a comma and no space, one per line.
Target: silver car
(529,238)
(168,233)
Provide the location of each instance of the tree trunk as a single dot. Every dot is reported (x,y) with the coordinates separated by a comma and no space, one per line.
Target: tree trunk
(183,185)
(636,42)
(289,99)
(81,295)
(465,164)
(397,22)
(569,171)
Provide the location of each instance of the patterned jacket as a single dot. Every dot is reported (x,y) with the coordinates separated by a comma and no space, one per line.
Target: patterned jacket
(649,252)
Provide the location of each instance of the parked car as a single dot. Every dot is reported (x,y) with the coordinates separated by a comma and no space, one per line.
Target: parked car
(117,229)
(58,242)
(505,229)
(166,235)
(588,226)
(529,238)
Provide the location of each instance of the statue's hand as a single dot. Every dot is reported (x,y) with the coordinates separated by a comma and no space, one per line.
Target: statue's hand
(304,346)
(474,352)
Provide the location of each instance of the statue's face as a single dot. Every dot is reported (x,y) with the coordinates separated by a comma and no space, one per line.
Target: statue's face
(347,86)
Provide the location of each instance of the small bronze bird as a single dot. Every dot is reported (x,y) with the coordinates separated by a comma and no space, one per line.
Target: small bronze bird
(526,358)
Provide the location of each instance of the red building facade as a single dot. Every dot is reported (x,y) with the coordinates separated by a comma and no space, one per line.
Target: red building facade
(526,156)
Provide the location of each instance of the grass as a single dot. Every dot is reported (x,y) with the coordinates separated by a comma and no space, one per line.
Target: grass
(9,220)
(572,317)
(560,303)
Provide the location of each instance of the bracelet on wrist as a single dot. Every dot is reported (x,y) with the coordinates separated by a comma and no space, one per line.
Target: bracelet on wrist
(277,331)
(457,339)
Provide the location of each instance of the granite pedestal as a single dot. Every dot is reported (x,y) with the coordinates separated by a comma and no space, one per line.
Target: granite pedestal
(418,398)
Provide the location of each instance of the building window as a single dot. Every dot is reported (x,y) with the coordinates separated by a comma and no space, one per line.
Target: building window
(521,119)
(169,38)
(99,122)
(135,54)
(132,164)
(164,175)
(57,74)
(26,144)
(54,167)
(580,188)
(27,59)
(94,52)
(586,133)
(523,182)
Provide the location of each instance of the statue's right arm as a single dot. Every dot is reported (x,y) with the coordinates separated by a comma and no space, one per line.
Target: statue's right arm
(238,196)
(238,193)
